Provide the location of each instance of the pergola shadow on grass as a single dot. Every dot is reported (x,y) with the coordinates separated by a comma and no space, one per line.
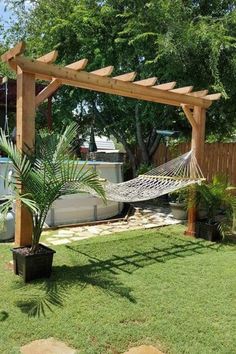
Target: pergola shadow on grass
(104,273)
(140,259)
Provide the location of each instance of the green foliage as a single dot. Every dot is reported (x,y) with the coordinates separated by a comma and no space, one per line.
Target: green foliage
(143,168)
(47,174)
(217,197)
(192,42)
(180,196)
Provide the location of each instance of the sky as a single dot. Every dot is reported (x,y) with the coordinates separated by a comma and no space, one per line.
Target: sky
(5,15)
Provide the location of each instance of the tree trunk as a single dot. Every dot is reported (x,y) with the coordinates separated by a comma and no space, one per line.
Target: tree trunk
(131,155)
(141,143)
(154,146)
(132,158)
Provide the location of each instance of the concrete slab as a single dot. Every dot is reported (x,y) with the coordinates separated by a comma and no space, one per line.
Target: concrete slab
(47,346)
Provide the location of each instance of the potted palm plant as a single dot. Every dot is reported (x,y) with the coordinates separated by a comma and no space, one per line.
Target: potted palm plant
(219,204)
(44,175)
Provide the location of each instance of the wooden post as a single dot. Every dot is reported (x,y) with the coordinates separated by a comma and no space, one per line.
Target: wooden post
(197,145)
(25,137)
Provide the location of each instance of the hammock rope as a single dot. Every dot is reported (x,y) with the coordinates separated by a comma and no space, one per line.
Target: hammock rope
(181,172)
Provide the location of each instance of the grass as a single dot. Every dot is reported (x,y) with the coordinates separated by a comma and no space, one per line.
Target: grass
(141,287)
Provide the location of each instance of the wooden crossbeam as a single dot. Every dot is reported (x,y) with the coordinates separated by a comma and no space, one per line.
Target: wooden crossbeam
(49,57)
(103,71)
(11,53)
(126,77)
(147,82)
(213,97)
(183,90)
(201,93)
(78,65)
(94,82)
(167,86)
(55,83)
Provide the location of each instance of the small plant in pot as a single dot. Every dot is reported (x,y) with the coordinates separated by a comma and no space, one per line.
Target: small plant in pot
(178,203)
(44,175)
(219,204)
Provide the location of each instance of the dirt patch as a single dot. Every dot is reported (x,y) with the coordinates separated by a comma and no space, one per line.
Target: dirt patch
(9,265)
(47,346)
(144,349)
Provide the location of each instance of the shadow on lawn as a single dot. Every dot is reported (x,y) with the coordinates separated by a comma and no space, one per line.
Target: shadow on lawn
(55,290)
(38,305)
(103,274)
(139,259)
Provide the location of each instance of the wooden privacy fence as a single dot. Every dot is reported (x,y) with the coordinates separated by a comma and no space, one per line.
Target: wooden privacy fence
(219,158)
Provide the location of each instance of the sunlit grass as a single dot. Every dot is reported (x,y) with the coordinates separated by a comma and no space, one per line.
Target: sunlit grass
(109,293)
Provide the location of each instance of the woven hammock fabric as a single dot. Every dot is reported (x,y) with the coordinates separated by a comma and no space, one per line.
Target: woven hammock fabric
(167,178)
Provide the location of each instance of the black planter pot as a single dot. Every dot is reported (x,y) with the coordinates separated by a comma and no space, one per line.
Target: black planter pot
(208,231)
(33,266)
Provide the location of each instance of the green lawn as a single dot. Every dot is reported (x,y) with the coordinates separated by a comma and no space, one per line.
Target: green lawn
(142,287)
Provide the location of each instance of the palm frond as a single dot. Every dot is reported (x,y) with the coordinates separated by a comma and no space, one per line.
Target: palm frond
(48,174)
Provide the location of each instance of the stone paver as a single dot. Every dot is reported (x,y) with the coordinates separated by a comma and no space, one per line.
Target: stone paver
(144,349)
(66,235)
(63,241)
(148,217)
(65,232)
(47,346)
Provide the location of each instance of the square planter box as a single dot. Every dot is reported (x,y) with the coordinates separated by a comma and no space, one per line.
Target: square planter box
(208,231)
(33,266)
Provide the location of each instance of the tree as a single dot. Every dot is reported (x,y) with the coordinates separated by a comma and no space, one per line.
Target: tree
(192,42)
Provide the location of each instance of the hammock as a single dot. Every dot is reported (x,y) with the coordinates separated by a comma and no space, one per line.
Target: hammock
(167,178)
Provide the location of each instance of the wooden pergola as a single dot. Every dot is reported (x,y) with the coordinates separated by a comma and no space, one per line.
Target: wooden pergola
(194,105)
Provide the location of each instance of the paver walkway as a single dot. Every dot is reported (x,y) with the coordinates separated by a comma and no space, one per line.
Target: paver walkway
(144,218)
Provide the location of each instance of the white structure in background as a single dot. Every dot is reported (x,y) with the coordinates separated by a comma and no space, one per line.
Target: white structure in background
(7,230)
(84,207)
(78,207)
(103,144)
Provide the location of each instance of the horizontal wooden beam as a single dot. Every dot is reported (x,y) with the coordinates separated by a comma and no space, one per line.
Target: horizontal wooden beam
(126,77)
(78,65)
(49,57)
(147,82)
(167,86)
(94,82)
(103,71)
(183,90)
(213,97)
(11,53)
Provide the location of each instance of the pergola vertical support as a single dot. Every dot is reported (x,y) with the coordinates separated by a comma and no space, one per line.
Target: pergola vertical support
(25,138)
(197,145)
